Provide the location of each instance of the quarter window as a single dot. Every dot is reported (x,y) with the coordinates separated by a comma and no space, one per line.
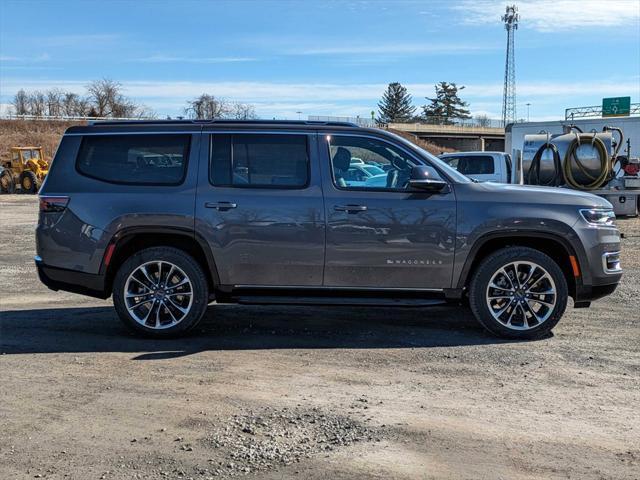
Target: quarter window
(259,160)
(135,159)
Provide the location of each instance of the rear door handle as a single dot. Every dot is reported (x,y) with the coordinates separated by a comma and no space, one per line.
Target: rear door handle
(350,208)
(221,206)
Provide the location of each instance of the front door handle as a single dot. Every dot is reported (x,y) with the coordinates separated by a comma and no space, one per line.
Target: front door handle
(350,208)
(221,206)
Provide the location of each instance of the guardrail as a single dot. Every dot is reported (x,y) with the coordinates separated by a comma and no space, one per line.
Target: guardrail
(66,118)
(446,122)
(435,128)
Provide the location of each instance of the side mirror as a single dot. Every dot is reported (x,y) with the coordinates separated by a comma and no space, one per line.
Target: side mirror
(423,178)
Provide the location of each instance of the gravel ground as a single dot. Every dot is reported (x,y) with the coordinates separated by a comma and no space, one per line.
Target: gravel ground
(310,392)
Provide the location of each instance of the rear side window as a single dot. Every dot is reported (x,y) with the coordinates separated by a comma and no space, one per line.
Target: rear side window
(135,159)
(259,160)
(471,164)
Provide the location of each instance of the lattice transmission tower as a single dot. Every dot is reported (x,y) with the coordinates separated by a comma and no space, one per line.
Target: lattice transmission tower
(510,19)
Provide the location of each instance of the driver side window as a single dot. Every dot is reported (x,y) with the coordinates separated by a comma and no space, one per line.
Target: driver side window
(361,163)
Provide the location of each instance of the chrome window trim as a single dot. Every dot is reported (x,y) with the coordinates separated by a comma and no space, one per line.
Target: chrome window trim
(184,132)
(411,155)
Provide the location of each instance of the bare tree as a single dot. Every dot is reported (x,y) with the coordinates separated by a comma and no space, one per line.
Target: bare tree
(107,100)
(483,121)
(21,103)
(243,111)
(37,104)
(209,107)
(206,107)
(73,105)
(54,102)
(103,95)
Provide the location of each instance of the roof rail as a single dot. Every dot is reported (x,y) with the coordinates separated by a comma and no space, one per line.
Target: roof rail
(223,122)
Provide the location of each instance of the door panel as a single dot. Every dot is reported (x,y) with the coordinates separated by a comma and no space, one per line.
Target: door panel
(267,235)
(379,238)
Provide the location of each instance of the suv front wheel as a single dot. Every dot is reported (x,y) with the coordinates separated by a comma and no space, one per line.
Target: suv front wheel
(518,292)
(160,292)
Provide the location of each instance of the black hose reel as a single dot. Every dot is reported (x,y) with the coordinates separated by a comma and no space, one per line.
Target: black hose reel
(533,175)
(563,168)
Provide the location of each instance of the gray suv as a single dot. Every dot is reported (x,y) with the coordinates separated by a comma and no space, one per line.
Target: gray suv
(168,216)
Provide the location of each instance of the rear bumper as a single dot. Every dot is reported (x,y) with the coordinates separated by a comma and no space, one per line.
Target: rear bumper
(71,280)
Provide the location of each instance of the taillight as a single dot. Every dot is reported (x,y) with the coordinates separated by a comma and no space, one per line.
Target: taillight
(53,203)
(631,169)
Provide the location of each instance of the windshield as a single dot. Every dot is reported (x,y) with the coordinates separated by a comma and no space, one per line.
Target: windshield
(447,169)
(373,170)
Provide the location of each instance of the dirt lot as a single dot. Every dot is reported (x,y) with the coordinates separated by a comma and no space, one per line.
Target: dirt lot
(322,392)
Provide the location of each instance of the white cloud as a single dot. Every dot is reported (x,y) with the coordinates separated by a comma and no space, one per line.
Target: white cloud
(6,108)
(43,57)
(552,15)
(314,92)
(555,89)
(285,99)
(390,48)
(178,59)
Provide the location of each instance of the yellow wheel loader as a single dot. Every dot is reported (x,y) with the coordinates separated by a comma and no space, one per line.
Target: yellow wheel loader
(26,169)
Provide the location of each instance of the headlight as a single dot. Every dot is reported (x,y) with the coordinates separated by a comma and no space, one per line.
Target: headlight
(599,217)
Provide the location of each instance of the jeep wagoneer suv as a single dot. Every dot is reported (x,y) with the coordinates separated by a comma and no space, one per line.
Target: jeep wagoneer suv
(168,216)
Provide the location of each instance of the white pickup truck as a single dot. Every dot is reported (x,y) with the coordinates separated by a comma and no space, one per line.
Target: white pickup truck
(482,166)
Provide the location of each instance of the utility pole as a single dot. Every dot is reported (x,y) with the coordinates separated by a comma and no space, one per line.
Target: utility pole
(510,19)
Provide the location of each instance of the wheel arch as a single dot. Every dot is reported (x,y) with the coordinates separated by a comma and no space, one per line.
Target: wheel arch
(555,246)
(131,240)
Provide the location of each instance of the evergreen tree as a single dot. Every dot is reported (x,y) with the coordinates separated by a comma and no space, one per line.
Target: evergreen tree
(395,106)
(447,106)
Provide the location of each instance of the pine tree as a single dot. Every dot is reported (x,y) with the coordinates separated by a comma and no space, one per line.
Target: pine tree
(447,106)
(396,105)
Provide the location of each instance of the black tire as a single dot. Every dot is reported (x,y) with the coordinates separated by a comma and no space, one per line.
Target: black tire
(28,182)
(478,292)
(7,185)
(192,270)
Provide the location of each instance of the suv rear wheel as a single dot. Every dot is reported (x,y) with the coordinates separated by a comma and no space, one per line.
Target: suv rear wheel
(518,292)
(160,292)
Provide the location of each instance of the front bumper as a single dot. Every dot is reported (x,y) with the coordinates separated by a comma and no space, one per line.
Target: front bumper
(71,280)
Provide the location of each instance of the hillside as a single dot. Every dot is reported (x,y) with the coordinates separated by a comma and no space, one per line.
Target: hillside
(31,133)
(428,146)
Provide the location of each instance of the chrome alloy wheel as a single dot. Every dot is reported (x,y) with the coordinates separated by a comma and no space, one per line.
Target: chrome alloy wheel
(521,295)
(158,295)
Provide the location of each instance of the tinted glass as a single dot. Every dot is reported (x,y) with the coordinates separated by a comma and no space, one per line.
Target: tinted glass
(260,160)
(471,164)
(368,163)
(135,159)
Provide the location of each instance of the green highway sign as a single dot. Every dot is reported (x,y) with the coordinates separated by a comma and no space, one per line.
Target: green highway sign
(616,107)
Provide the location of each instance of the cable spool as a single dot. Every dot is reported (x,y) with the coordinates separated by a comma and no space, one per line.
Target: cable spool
(571,157)
(533,174)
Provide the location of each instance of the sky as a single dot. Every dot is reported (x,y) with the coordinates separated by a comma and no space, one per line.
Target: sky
(323,57)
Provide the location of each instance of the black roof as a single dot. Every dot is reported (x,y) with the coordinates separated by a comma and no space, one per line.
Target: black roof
(224,122)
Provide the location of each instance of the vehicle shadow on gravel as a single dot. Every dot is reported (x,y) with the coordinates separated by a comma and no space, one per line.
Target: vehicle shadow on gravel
(241,327)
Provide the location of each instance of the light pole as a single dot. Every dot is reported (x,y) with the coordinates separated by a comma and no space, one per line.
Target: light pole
(299,115)
(528,105)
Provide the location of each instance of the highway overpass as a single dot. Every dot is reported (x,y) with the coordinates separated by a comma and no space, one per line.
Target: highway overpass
(458,137)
